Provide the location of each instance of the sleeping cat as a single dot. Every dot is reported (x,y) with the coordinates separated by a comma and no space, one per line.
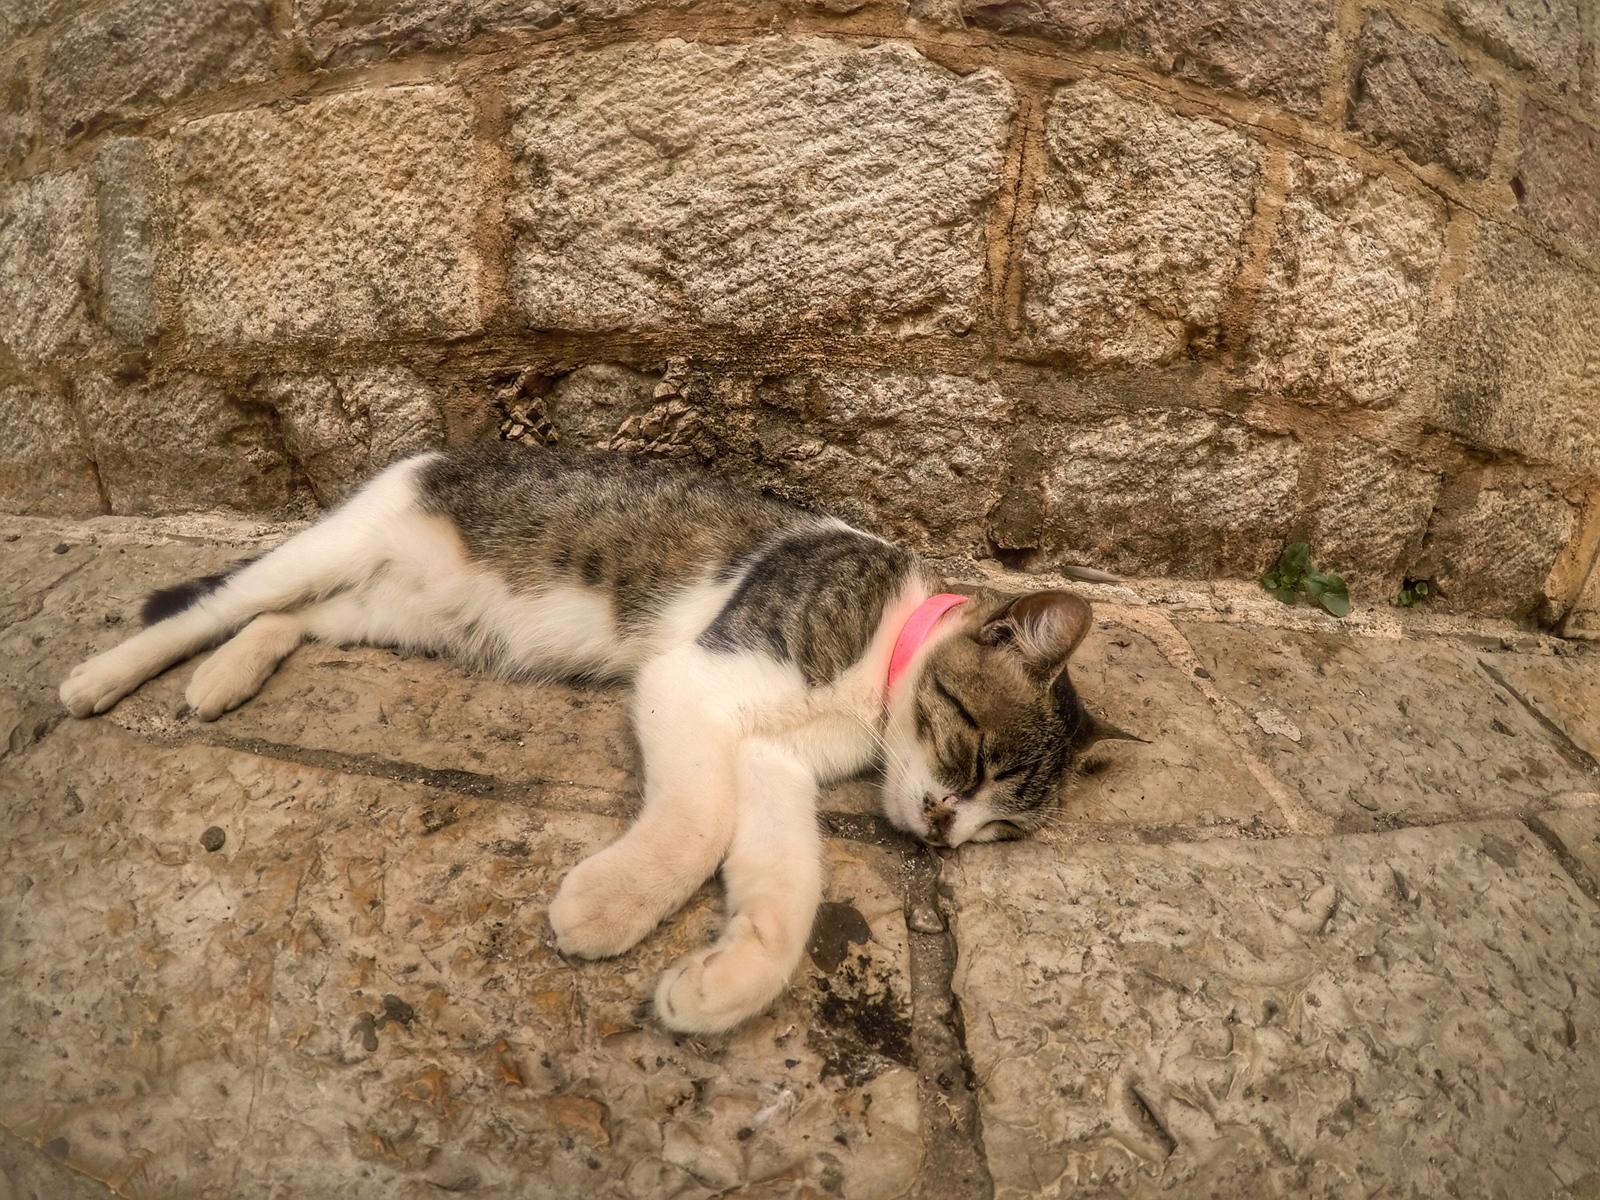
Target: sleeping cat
(770,650)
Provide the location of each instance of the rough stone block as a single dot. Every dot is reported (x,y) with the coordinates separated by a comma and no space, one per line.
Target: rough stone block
(182,443)
(1491,544)
(44,465)
(1564,691)
(1339,318)
(20,18)
(1136,241)
(783,183)
(1388,732)
(1413,1012)
(1187,778)
(1518,354)
(344,427)
(1167,492)
(1559,173)
(340,32)
(19,132)
(1370,516)
(1577,834)
(136,57)
(132,219)
(1583,621)
(1542,36)
(349,217)
(357,993)
(1413,91)
(1269,48)
(44,261)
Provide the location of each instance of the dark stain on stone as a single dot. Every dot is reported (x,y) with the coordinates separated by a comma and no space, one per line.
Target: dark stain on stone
(62,548)
(57,1148)
(396,1009)
(213,838)
(438,817)
(366,1029)
(836,926)
(1500,850)
(864,1026)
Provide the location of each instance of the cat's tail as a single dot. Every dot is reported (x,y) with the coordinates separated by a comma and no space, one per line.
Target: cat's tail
(340,551)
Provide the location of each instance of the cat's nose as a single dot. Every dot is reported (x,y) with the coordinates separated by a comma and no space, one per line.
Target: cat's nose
(939,812)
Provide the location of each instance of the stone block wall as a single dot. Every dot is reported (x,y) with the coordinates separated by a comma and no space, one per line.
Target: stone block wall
(1147,285)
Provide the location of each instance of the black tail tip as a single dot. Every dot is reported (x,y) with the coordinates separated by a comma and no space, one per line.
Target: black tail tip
(170,601)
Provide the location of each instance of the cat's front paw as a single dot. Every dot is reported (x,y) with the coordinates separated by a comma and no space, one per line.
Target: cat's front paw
(600,911)
(712,990)
(97,684)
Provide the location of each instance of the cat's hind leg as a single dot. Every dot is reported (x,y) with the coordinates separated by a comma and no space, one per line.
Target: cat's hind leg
(243,663)
(338,552)
(773,876)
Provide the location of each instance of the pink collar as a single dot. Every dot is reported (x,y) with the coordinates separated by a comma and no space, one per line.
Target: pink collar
(916,630)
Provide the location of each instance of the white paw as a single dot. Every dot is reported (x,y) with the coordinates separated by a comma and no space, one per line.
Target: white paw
(600,911)
(714,989)
(222,683)
(96,685)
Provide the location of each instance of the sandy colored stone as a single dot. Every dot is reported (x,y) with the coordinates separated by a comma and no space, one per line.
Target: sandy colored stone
(1269,48)
(1559,172)
(182,442)
(1369,520)
(1340,313)
(20,18)
(1188,776)
(344,427)
(136,57)
(1134,246)
(44,259)
(1413,1012)
(1413,91)
(1115,489)
(347,217)
(1577,835)
(19,131)
(44,465)
(784,182)
(1542,36)
(1583,621)
(1565,691)
(28,1172)
(131,217)
(1491,543)
(358,993)
(1391,732)
(1518,370)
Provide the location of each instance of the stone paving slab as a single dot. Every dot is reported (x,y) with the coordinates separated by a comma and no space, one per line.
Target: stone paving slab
(1575,835)
(1382,733)
(1412,1013)
(1565,692)
(357,993)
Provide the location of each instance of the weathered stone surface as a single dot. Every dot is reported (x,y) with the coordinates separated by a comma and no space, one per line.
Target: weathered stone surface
(1519,368)
(1390,732)
(44,464)
(180,443)
(1584,618)
(131,217)
(18,131)
(348,217)
(1263,47)
(43,263)
(1137,237)
(29,1173)
(1559,173)
(1117,490)
(1369,519)
(1413,91)
(138,56)
(344,427)
(1186,778)
(1491,544)
(1414,1012)
(1565,691)
(339,32)
(1339,317)
(358,993)
(1542,36)
(1577,834)
(752,186)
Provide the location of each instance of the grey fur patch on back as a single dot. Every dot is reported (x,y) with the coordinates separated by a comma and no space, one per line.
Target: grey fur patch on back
(813,598)
(641,532)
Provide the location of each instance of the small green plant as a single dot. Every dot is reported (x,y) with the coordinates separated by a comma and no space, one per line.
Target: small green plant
(1416,591)
(1294,576)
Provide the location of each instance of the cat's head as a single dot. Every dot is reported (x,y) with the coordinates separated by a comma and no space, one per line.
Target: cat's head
(981,737)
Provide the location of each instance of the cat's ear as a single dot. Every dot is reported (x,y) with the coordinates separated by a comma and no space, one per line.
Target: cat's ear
(1044,628)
